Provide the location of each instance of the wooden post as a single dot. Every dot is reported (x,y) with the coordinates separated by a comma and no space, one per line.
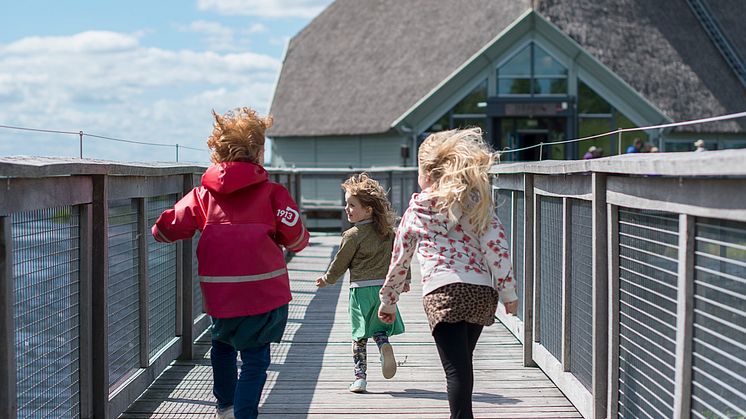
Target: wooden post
(142,275)
(684,318)
(566,282)
(186,320)
(528,270)
(86,332)
(99,298)
(298,190)
(612,405)
(600,297)
(8,397)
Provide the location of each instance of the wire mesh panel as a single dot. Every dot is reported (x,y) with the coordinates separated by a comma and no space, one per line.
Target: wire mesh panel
(161,281)
(504,204)
(719,346)
(581,291)
(46,287)
(519,241)
(196,291)
(648,271)
(197,305)
(550,236)
(123,305)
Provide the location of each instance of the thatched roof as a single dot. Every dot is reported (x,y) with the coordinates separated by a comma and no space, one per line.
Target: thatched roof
(662,51)
(360,65)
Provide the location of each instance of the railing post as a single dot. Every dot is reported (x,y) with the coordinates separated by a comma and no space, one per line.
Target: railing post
(298,191)
(566,282)
(612,405)
(86,332)
(528,270)
(142,275)
(8,397)
(187,289)
(99,298)
(600,295)
(684,318)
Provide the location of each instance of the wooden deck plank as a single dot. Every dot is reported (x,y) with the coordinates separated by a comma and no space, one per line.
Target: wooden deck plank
(312,367)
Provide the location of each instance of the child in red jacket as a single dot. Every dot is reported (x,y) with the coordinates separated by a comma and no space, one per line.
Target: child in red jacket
(245,220)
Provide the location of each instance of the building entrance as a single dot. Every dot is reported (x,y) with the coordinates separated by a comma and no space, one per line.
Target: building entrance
(519,132)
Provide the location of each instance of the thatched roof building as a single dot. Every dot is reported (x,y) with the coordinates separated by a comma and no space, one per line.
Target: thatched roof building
(385,71)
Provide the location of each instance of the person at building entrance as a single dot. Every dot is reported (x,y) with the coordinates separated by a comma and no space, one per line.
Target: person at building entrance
(636,146)
(593,153)
(699,145)
(244,219)
(366,251)
(463,254)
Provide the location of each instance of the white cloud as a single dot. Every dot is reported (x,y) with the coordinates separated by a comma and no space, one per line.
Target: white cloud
(256,28)
(84,42)
(217,36)
(106,83)
(265,8)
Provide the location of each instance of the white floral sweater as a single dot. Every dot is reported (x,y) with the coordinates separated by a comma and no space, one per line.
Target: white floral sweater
(448,253)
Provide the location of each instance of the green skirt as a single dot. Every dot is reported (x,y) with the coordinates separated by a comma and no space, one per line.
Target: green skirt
(363,310)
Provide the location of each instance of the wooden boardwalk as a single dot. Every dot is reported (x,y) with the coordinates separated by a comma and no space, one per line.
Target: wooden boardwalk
(312,367)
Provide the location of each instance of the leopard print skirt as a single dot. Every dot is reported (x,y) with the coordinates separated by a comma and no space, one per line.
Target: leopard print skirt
(457,302)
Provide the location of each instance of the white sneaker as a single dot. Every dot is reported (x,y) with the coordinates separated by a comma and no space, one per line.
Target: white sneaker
(388,362)
(359,386)
(225,413)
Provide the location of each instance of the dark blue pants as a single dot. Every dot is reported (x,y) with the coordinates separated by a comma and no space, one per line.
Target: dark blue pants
(242,392)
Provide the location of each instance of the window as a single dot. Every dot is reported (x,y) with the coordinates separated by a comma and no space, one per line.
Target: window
(469,112)
(532,72)
(597,116)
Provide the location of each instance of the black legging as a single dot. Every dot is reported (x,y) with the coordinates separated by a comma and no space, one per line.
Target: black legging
(456,343)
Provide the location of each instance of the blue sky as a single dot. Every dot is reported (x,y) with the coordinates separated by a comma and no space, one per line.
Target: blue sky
(144,71)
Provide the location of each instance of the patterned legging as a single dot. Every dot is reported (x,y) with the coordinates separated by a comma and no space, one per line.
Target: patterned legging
(360,353)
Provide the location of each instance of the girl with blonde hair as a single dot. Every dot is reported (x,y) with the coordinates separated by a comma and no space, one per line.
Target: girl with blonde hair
(462,251)
(366,251)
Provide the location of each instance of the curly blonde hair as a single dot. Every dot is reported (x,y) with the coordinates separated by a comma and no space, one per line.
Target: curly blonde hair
(238,136)
(458,162)
(371,194)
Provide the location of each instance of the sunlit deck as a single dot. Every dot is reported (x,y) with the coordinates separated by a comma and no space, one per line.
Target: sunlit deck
(312,367)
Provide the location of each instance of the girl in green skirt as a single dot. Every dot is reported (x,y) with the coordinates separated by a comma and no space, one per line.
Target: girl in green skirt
(366,251)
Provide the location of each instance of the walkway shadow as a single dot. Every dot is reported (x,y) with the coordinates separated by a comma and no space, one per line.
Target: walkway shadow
(416,393)
(297,361)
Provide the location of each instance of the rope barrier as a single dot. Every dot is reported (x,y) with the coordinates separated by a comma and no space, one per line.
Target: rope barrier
(623,130)
(81,134)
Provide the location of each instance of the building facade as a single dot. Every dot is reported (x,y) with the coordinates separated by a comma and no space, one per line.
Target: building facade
(365,82)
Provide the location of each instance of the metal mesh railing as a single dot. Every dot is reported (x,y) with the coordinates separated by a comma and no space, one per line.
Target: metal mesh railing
(550,280)
(504,204)
(581,291)
(197,304)
(648,269)
(161,281)
(46,288)
(123,305)
(519,238)
(719,346)
(196,291)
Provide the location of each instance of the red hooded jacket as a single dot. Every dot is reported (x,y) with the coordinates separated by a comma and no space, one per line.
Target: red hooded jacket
(244,219)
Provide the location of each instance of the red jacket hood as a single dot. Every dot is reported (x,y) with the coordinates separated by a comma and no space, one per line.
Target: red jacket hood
(225,178)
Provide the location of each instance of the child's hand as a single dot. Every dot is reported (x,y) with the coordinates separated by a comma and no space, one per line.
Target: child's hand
(406,287)
(387,318)
(511,307)
(320,282)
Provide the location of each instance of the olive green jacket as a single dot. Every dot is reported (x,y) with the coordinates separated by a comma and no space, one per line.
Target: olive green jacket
(366,254)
